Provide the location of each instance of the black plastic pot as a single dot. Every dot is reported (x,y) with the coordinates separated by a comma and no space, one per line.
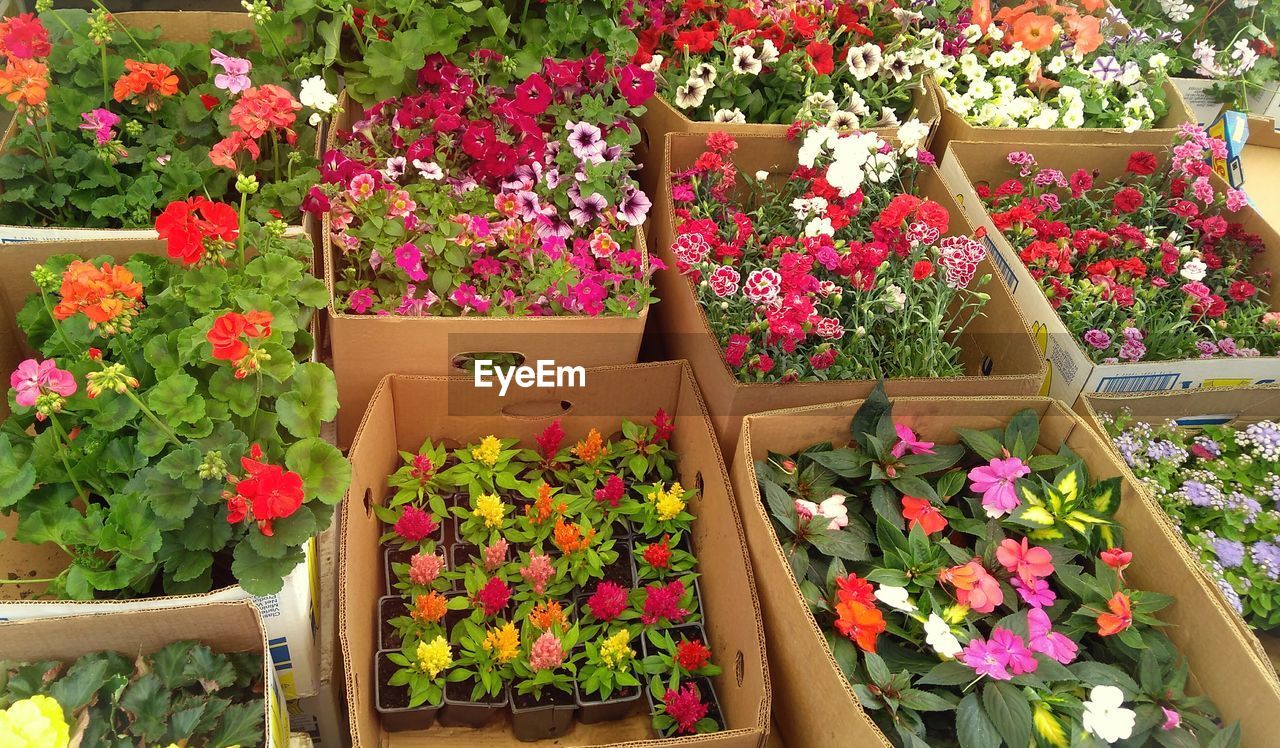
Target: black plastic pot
(398,718)
(542,719)
(619,706)
(623,570)
(390,606)
(463,712)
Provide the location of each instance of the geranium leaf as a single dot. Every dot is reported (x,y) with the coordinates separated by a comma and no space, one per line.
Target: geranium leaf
(259,575)
(312,400)
(325,472)
(17,474)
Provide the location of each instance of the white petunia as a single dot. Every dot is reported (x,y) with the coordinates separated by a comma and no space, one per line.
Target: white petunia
(654,64)
(704,72)
(745,61)
(1056,65)
(864,61)
(1105,715)
(895,597)
(768,52)
(691,94)
(729,116)
(911,134)
(428,170)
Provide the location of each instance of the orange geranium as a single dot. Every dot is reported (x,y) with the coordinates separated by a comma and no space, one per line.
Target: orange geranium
(228,333)
(570,538)
(430,608)
(263,109)
(1034,31)
(108,296)
(1120,617)
(24,82)
(146,81)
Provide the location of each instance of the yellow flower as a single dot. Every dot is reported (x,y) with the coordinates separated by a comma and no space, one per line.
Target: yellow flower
(1048,726)
(614,651)
(491,509)
(505,641)
(489,450)
(37,722)
(669,503)
(434,658)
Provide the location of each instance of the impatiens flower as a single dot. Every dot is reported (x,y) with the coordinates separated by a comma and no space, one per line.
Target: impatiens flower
(434,657)
(662,603)
(1021,660)
(987,659)
(35,722)
(425,568)
(831,509)
(1172,719)
(235,76)
(937,634)
(34,378)
(692,655)
(547,653)
(922,512)
(1036,592)
(685,707)
(1105,715)
(1118,619)
(608,601)
(974,586)
(907,441)
(1043,639)
(1026,561)
(996,482)
(538,572)
(495,554)
(897,598)
(493,597)
(860,622)
(1117,558)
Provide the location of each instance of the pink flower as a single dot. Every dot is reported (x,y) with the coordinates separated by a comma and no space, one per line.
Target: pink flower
(362,187)
(34,378)
(986,659)
(1117,558)
(636,84)
(662,603)
(547,653)
(1027,561)
(995,481)
(832,509)
(495,554)
(360,300)
(235,76)
(907,442)
(538,572)
(100,122)
(685,706)
(974,586)
(724,281)
(409,259)
(1043,639)
(1021,660)
(493,597)
(414,524)
(608,601)
(763,285)
(424,568)
(400,205)
(1172,720)
(1035,592)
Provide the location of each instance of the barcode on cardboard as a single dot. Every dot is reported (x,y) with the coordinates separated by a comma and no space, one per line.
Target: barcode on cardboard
(1002,267)
(1139,383)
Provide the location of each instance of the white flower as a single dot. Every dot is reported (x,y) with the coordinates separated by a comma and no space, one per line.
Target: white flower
(654,64)
(729,116)
(881,167)
(1047,118)
(911,134)
(933,59)
(762,175)
(937,634)
(1073,118)
(819,227)
(816,140)
(897,297)
(841,120)
(810,206)
(897,67)
(896,598)
(998,59)
(832,509)
(704,72)
(888,118)
(691,94)
(745,61)
(1194,269)
(821,102)
(856,105)
(864,61)
(768,52)
(315,95)
(315,119)
(972,33)
(1056,65)
(1158,61)
(428,170)
(1130,124)
(1105,715)
(1130,74)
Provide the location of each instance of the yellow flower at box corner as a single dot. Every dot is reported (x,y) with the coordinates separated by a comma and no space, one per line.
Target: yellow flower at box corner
(670,502)
(614,651)
(489,451)
(434,658)
(1050,729)
(491,509)
(37,722)
(504,642)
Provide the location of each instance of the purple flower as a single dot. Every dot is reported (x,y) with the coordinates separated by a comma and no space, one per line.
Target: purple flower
(1201,494)
(409,259)
(1021,660)
(587,209)
(1098,339)
(1229,552)
(34,378)
(907,442)
(1267,556)
(986,659)
(1043,639)
(1172,720)
(586,141)
(235,77)
(634,206)
(100,122)
(995,481)
(1106,69)
(1036,593)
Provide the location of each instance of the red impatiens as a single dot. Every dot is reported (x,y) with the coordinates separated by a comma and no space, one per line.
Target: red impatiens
(266,493)
(186,226)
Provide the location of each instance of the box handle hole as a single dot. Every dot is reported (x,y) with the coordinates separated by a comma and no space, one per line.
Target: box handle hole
(538,409)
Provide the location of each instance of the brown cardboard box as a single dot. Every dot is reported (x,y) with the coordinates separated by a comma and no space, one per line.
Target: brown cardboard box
(1260,160)
(182,26)
(999,354)
(365,348)
(661,118)
(952,126)
(225,627)
(1240,406)
(407,410)
(1070,371)
(1224,666)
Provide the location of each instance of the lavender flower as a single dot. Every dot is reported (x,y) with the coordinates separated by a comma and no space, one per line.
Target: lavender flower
(1229,552)
(1267,556)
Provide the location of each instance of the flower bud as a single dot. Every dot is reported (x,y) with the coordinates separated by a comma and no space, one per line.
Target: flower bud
(246,184)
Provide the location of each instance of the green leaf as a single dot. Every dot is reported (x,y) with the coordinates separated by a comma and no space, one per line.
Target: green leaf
(949,673)
(241,724)
(924,701)
(312,401)
(840,544)
(974,728)
(81,682)
(147,703)
(241,395)
(17,474)
(877,670)
(987,446)
(847,463)
(1009,712)
(260,575)
(175,397)
(325,472)
(170,663)
(1098,674)
(867,420)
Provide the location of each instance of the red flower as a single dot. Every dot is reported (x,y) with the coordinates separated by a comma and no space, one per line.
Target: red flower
(658,555)
(921,270)
(613,491)
(692,655)
(268,491)
(1242,290)
(24,37)
(742,19)
(415,524)
(821,57)
(209,102)
(664,425)
(934,215)
(662,604)
(860,622)
(186,225)
(853,587)
(226,331)
(922,512)
(1081,182)
(1116,558)
(608,601)
(1142,163)
(684,705)
(493,597)
(636,84)
(1127,200)
(533,96)
(736,349)
(550,439)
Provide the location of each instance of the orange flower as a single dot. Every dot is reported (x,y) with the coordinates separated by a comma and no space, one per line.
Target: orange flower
(981,10)
(546,615)
(1092,6)
(24,82)
(859,622)
(1086,31)
(430,608)
(541,509)
(1120,617)
(108,296)
(148,81)
(590,449)
(1034,31)
(569,537)
(263,109)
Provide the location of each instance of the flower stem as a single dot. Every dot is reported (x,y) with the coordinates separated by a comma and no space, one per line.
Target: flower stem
(71,350)
(106,85)
(29,581)
(153,417)
(240,240)
(63,441)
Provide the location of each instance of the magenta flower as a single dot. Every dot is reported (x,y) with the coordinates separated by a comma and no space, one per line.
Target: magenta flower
(1036,592)
(987,659)
(1021,660)
(360,300)
(1172,720)
(101,122)
(636,84)
(1098,339)
(1043,639)
(907,442)
(995,481)
(235,76)
(34,378)
(409,259)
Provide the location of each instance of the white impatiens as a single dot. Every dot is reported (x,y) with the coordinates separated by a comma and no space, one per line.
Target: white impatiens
(1105,715)
(897,598)
(937,634)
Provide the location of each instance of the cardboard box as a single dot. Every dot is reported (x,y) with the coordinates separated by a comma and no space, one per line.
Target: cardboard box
(177,25)
(323,717)
(953,127)
(1070,370)
(226,627)
(287,615)
(661,118)
(999,354)
(1224,666)
(1259,161)
(407,410)
(1239,406)
(365,347)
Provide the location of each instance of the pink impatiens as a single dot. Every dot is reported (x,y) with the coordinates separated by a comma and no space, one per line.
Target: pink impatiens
(996,482)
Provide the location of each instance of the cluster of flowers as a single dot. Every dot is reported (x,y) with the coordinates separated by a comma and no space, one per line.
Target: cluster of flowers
(107,145)
(845,64)
(535,574)
(985,587)
(838,271)
(475,197)
(152,384)
(1144,266)
(1043,64)
(1221,488)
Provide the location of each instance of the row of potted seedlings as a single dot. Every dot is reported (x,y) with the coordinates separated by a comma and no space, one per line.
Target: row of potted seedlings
(556,582)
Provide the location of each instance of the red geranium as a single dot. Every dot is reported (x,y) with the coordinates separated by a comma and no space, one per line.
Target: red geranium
(185,225)
(24,37)
(227,330)
(267,492)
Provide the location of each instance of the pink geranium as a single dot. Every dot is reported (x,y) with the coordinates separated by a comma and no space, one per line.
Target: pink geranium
(996,482)
(235,76)
(34,378)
